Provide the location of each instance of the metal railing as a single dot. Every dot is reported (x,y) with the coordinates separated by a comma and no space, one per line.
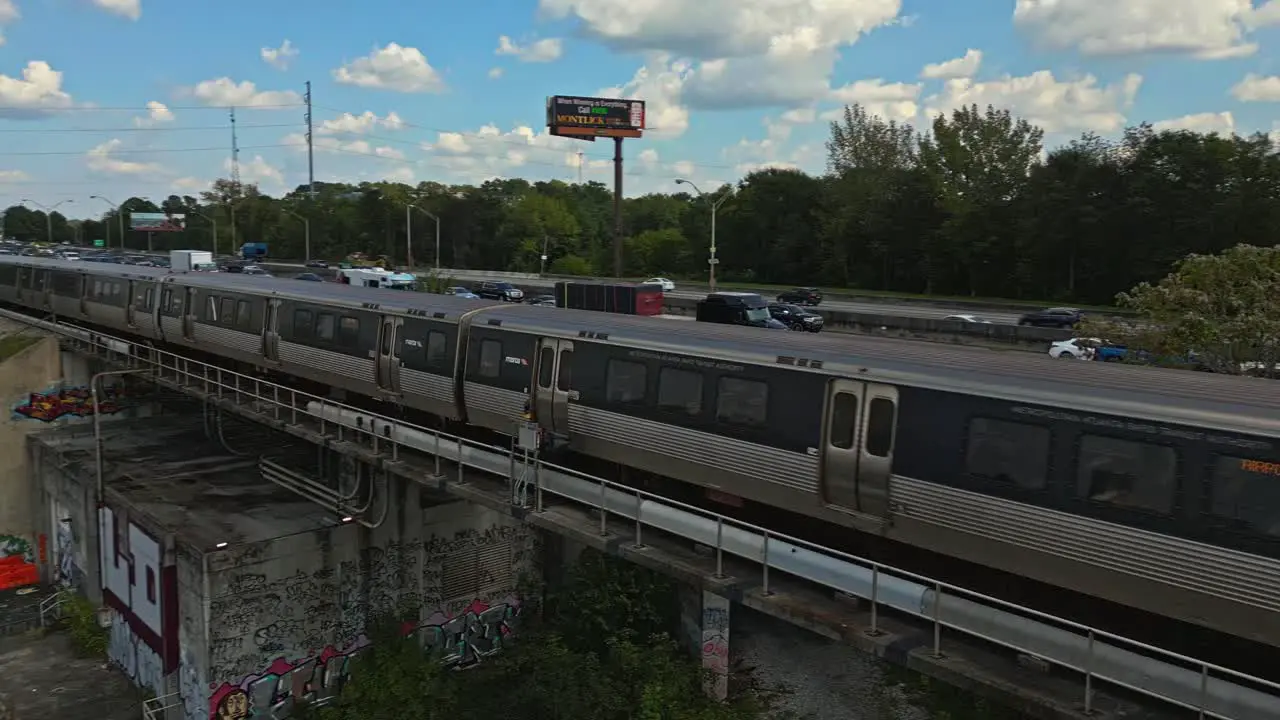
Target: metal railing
(155,708)
(1209,690)
(51,608)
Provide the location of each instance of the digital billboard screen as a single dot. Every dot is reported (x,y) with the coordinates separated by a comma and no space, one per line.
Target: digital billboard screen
(157,222)
(595,117)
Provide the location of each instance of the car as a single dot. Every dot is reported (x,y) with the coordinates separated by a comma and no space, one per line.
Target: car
(1055,317)
(318,264)
(540,299)
(796,317)
(311,277)
(1075,348)
(503,291)
(255,271)
(967,319)
(801,296)
(667,285)
(461,292)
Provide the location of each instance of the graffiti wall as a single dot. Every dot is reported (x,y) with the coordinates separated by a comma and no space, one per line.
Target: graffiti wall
(60,403)
(68,550)
(715,644)
(141,594)
(17,562)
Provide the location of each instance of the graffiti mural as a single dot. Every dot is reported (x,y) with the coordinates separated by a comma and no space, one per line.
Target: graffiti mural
(134,656)
(17,563)
(59,403)
(273,693)
(468,637)
(715,644)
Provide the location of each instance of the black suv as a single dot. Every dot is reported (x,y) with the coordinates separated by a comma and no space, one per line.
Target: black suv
(796,317)
(504,291)
(801,296)
(1052,317)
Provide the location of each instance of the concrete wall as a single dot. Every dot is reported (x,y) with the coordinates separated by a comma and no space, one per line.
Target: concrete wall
(285,616)
(66,513)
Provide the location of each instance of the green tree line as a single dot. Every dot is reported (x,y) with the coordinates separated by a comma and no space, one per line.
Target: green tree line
(971,206)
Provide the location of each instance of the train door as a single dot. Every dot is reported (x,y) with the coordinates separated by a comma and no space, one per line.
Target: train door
(271,331)
(189,315)
(42,286)
(389,341)
(84,294)
(857,446)
(24,286)
(553,384)
(129,310)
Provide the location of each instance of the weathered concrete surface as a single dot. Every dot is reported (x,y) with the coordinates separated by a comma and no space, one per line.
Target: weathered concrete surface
(31,370)
(44,679)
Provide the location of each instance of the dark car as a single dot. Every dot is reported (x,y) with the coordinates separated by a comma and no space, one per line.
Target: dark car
(540,299)
(801,296)
(1052,317)
(796,317)
(318,264)
(312,277)
(504,291)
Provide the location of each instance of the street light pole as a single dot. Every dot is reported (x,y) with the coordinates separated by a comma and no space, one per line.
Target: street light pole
(48,216)
(306,230)
(715,206)
(119,218)
(436,220)
(214,222)
(408,236)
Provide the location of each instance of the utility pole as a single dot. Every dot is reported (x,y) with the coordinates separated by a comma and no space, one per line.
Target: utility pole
(311,159)
(235,178)
(617,207)
(408,236)
(712,261)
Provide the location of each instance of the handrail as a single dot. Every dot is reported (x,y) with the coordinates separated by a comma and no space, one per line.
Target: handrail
(153,708)
(735,537)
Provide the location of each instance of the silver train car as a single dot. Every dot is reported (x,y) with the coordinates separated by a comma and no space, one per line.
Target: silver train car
(1154,488)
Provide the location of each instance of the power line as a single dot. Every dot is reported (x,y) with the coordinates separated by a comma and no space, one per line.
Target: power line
(143,108)
(139,129)
(220,148)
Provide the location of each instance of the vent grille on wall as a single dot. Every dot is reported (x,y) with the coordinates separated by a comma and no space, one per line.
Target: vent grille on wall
(477,572)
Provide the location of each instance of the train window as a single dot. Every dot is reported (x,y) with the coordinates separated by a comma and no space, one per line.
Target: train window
(97,289)
(1009,452)
(435,349)
(1246,493)
(244,314)
(211,311)
(66,284)
(625,381)
(398,345)
(386,339)
(882,416)
(680,390)
(1127,473)
(303,323)
(490,358)
(227,310)
(564,379)
(149,299)
(166,301)
(324,326)
(844,421)
(349,330)
(24,278)
(742,402)
(41,276)
(117,289)
(546,366)
(8,275)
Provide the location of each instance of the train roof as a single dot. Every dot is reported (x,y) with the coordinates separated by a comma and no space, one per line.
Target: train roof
(1238,404)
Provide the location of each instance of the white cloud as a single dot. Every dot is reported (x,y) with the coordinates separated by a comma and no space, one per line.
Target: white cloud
(38,93)
(279,58)
(189,184)
(8,15)
(1256,88)
(365,122)
(490,152)
(13,176)
(225,92)
(495,73)
(1208,29)
(892,101)
(745,53)
(1044,101)
(1221,122)
(157,113)
(402,69)
(540,51)
(100,159)
(960,67)
(660,83)
(257,171)
(131,9)
(324,143)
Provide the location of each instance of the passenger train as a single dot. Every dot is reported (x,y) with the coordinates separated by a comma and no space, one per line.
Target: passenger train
(1158,489)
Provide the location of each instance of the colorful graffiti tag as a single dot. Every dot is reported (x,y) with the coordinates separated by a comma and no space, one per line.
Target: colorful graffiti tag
(17,563)
(460,641)
(59,403)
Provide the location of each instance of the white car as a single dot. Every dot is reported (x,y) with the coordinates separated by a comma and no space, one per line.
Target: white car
(967,319)
(667,285)
(1074,349)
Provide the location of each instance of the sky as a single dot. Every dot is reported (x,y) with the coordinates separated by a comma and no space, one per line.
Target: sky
(123,98)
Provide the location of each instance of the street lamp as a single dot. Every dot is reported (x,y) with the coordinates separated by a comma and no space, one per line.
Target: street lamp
(212,221)
(306,225)
(715,205)
(119,218)
(48,215)
(408,224)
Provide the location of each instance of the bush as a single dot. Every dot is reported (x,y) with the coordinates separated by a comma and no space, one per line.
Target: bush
(81,617)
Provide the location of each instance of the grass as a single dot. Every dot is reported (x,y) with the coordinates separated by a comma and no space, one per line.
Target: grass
(16,342)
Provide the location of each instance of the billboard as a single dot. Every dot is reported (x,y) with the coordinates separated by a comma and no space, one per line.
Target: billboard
(157,222)
(588,118)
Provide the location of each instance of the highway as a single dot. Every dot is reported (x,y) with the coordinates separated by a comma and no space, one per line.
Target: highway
(899,309)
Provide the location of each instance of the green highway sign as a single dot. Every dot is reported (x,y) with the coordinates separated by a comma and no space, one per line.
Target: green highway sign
(99,243)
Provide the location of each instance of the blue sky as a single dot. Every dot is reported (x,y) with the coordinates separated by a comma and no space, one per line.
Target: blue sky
(129,97)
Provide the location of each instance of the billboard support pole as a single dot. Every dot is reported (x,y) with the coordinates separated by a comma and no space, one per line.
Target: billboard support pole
(617,207)
(148,242)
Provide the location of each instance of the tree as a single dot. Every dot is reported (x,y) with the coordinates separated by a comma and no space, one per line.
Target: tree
(1223,310)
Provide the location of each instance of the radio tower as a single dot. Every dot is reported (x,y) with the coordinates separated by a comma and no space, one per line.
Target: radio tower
(235,154)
